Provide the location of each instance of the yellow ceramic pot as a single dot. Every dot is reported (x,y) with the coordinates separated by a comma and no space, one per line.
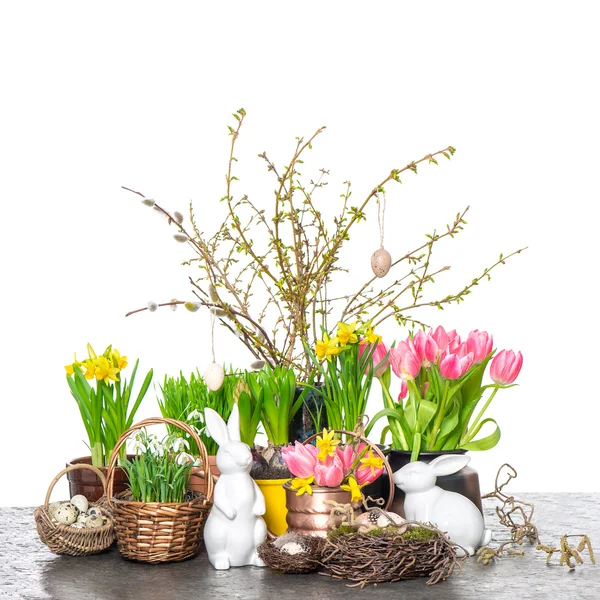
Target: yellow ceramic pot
(275,515)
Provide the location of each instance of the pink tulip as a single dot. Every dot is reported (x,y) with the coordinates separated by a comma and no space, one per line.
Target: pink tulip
(466,362)
(505,367)
(347,456)
(444,339)
(329,472)
(300,459)
(480,343)
(397,355)
(403,390)
(410,367)
(426,348)
(364,474)
(450,367)
(378,357)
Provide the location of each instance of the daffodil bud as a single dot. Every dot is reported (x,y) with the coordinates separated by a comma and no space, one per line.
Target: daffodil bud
(148,202)
(178,216)
(152,306)
(180,237)
(173,306)
(192,306)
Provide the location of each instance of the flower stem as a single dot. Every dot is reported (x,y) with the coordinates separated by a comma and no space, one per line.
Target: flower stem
(395,427)
(439,418)
(465,438)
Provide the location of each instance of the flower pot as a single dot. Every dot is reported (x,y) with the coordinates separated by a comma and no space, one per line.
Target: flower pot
(87,483)
(465,482)
(276,509)
(197,482)
(302,425)
(309,514)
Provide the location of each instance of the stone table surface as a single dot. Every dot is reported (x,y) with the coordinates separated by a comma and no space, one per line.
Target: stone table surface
(29,571)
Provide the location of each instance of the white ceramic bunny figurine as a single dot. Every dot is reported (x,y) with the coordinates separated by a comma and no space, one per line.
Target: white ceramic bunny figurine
(449,511)
(234,527)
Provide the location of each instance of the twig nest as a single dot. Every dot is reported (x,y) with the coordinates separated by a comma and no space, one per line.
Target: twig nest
(214,376)
(292,553)
(381,261)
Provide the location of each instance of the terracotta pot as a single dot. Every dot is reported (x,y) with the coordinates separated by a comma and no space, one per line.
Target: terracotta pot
(308,514)
(197,482)
(87,483)
(465,482)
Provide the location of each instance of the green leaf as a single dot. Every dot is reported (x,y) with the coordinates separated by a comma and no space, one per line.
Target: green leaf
(484,443)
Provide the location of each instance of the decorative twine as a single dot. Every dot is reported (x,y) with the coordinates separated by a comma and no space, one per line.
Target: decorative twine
(381,218)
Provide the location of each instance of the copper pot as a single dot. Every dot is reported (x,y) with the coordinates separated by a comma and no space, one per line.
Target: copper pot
(308,514)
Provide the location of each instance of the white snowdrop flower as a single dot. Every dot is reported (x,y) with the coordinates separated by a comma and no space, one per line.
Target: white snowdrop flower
(180,237)
(139,447)
(180,444)
(148,202)
(152,306)
(178,216)
(184,458)
(195,415)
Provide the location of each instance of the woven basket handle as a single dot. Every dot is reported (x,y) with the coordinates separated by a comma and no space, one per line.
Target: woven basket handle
(158,421)
(373,447)
(74,468)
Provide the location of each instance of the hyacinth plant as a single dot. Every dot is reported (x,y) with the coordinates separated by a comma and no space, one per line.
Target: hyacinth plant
(332,464)
(265,271)
(345,363)
(105,409)
(441,388)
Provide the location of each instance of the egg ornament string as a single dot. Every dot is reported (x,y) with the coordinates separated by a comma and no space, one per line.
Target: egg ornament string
(381,260)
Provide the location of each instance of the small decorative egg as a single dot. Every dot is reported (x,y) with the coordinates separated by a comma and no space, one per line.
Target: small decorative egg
(82,518)
(94,521)
(381,261)
(214,376)
(80,502)
(53,507)
(379,518)
(66,514)
(94,510)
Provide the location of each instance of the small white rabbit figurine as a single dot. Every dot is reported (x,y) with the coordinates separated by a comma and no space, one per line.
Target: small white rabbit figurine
(449,511)
(234,527)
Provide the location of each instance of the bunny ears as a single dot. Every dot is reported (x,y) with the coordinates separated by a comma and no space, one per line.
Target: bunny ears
(448,464)
(217,429)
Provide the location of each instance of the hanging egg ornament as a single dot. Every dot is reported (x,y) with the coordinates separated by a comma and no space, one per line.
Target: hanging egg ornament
(381,261)
(214,376)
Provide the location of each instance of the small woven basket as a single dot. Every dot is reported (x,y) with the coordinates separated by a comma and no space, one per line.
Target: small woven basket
(67,540)
(157,532)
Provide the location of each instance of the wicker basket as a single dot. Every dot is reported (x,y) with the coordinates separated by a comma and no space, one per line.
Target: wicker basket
(156,532)
(64,539)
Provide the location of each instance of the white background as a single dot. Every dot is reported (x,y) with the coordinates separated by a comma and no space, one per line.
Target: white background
(95,96)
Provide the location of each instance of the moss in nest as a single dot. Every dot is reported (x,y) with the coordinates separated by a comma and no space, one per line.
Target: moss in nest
(420,534)
(341,530)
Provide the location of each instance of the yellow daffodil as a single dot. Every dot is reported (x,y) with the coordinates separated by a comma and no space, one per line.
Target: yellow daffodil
(90,368)
(345,333)
(371,336)
(302,485)
(326,348)
(118,360)
(105,370)
(326,444)
(372,462)
(91,352)
(354,488)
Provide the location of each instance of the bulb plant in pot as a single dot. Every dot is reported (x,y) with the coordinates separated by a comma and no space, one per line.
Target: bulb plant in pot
(327,471)
(441,388)
(186,400)
(105,411)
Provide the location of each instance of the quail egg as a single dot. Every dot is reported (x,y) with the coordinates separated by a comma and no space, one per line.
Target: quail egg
(53,507)
(66,513)
(94,521)
(80,502)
